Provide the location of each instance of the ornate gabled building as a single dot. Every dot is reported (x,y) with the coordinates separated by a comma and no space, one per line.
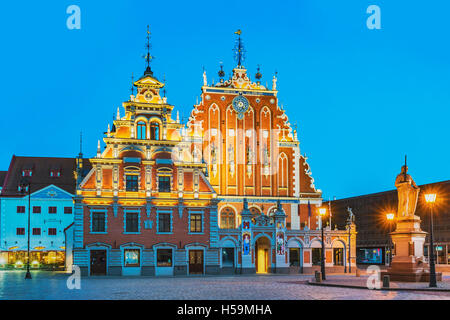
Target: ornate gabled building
(229,193)
(146,207)
(254,160)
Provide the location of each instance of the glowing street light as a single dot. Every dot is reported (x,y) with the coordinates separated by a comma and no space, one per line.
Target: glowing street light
(430,198)
(322,212)
(390,218)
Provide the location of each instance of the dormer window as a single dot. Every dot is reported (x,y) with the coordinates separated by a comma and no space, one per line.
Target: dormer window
(55,172)
(27,173)
(22,188)
(141,130)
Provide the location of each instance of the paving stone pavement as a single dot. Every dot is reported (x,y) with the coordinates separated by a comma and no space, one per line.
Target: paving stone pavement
(51,286)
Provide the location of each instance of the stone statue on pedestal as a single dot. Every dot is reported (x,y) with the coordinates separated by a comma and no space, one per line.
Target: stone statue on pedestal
(408,263)
(408,193)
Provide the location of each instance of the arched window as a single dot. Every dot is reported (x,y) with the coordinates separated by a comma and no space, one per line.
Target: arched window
(227,218)
(255,213)
(141,129)
(154,131)
(283,171)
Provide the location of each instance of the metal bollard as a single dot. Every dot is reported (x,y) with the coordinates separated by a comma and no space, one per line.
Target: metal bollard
(386,280)
(318,276)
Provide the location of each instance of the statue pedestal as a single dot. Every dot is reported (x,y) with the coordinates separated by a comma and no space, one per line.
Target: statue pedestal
(408,264)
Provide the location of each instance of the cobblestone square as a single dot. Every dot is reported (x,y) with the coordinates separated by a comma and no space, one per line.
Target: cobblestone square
(52,286)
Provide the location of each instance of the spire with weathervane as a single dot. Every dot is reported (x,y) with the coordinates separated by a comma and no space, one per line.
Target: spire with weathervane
(148,57)
(239,51)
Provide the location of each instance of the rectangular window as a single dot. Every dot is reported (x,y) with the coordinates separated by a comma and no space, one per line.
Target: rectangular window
(20,231)
(131,257)
(316,256)
(98,222)
(20,209)
(36,231)
(196,223)
(164,257)
(228,257)
(36,209)
(52,231)
(132,222)
(294,257)
(164,184)
(68,210)
(132,183)
(51,209)
(164,222)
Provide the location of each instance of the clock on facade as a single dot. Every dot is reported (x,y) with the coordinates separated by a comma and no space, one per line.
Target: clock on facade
(148,96)
(240,105)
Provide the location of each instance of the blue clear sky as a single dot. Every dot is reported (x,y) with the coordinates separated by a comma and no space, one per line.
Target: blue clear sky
(362,98)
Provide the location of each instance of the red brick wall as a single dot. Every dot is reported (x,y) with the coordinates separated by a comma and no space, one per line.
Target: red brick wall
(115,229)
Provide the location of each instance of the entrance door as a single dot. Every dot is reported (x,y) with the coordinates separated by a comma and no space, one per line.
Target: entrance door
(98,262)
(195,261)
(338,256)
(262,255)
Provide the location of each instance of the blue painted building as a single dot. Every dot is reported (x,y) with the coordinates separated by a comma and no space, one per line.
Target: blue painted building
(49,201)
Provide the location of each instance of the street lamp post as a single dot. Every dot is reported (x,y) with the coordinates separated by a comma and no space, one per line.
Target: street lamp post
(390,218)
(26,183)
(349,249)
(430,198)
(322,212)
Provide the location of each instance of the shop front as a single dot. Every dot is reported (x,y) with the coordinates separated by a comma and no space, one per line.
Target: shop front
(39,259)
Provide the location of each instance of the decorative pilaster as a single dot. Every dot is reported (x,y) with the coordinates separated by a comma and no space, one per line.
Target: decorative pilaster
(148,180)
(280,223)
(246,236)
(98,179)
(116,180)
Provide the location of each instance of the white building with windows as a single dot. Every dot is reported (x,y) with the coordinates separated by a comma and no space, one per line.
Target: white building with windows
(49,202)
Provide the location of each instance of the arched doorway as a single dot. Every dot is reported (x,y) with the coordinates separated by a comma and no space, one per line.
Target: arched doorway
(262,255)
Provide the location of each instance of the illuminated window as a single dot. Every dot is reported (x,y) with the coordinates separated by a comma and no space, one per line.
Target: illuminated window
(164,257)
(227,218)
(132,183)
(141,129)
(154,131)
(131,257)
(196,223)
